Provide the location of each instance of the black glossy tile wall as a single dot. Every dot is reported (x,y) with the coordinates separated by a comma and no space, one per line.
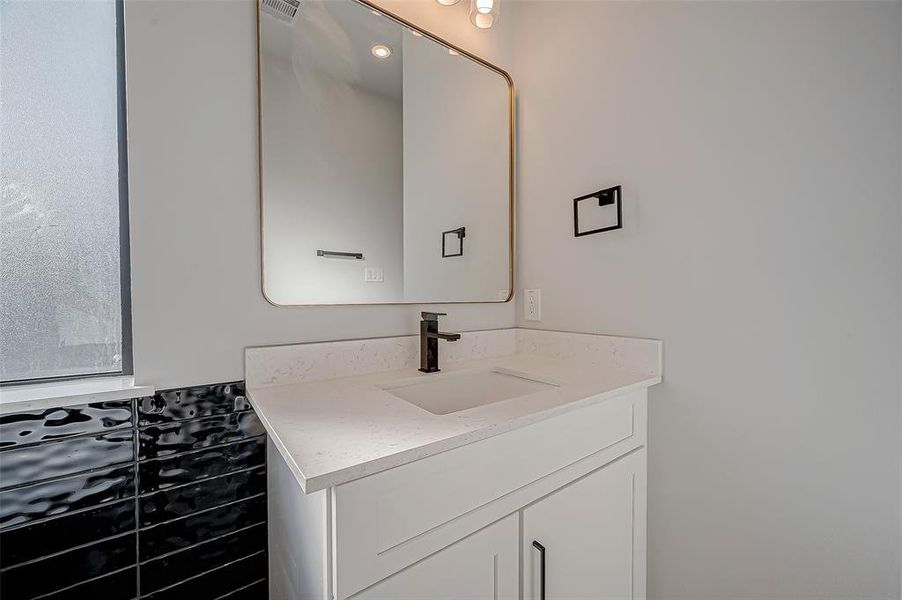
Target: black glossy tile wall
(160,497)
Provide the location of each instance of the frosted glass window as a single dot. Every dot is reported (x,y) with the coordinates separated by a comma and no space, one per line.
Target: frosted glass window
(60,279)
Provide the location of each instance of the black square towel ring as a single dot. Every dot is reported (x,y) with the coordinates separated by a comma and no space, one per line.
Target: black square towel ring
(453,242)
(604,197)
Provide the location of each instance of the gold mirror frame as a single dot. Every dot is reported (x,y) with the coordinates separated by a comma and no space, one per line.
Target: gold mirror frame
(511,166)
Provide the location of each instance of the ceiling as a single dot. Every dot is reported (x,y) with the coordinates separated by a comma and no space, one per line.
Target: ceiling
(337,36)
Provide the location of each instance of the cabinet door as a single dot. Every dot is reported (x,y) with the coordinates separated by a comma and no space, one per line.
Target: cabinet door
(483,566)
(593,535)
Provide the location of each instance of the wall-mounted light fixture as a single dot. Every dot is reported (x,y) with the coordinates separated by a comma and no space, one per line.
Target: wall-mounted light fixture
(484,13)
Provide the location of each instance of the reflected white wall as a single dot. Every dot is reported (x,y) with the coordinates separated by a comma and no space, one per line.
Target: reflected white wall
(456,158)
(331,181)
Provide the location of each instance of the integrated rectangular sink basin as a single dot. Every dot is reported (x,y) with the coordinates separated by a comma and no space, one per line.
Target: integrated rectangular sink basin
(445,394)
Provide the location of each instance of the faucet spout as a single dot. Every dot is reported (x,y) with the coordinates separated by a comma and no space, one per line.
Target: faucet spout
(451,337)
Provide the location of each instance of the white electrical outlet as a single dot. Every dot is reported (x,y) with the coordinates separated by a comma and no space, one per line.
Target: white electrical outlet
(532,305)
(373,275)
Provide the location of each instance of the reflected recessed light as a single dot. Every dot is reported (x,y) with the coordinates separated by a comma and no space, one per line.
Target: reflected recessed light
(416,33)
(381,51)
(453,52)
(483,20)
(376,12)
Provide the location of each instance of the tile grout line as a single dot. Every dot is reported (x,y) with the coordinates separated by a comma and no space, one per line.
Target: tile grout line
(89,580)
(37,482)
(137,509)
(201,543)
(240,589)
(137,532)
(71,513)
(32,561)
(202,449)
(202,480)
(198,386)
(171,421)
(200,512)
(213,570)
(76,436)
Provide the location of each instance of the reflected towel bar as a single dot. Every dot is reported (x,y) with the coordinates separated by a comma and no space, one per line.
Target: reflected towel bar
(330,253)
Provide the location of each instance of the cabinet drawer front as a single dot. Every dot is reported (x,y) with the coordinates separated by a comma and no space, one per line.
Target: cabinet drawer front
(387,521)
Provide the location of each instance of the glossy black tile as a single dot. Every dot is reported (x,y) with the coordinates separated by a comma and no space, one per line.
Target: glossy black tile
(254,591)
(164,440)
(173,568)
(61,533)
(181,501)
(27,503)
(218,583)
(192,403)
(159,474)
(65,457)
(121,585)
(201,526)
(56,423)
(71,507)
(63,570)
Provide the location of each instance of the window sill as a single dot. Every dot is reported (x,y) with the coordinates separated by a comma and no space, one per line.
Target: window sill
(37,396)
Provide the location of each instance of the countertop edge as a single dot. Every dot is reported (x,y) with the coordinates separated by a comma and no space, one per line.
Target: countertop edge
(280,445)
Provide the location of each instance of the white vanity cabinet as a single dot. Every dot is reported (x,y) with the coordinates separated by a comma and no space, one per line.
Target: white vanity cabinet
(589,535)
(460,524)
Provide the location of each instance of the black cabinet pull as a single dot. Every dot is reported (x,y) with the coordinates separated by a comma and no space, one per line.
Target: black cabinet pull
(541,550)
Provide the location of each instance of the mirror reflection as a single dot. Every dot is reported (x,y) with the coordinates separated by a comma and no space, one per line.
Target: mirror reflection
(385,161)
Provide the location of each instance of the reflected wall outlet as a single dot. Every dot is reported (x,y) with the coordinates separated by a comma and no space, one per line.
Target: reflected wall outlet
(373,275)
(532,305)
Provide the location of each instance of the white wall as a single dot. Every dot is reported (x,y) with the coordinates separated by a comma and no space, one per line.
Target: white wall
(196,294)
(316,129)
(456,174)
(759,146)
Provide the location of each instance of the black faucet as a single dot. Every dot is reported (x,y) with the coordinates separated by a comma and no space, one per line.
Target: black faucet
(429,337)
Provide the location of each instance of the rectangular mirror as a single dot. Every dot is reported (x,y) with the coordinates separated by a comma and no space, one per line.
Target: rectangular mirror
(386,161)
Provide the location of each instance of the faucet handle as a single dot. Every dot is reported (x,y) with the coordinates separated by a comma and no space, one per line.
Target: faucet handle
(432,316)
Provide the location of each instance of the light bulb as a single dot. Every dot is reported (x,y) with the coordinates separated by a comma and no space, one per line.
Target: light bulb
(381,51)
(483,21)
(484,13)
(447,2)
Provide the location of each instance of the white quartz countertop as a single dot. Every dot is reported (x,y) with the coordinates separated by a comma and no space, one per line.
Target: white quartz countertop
(331,431)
